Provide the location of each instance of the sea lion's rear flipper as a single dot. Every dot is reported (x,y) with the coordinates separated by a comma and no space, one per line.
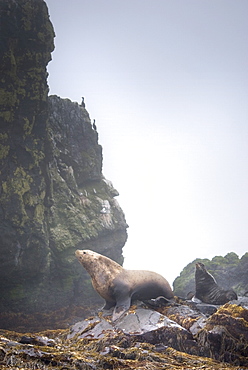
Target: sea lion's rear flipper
(160,302)
(121,307)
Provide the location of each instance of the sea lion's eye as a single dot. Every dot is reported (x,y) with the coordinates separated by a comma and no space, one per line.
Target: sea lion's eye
(84,252)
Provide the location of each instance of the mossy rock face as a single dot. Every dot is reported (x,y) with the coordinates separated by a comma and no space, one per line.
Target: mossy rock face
(23,134)
(230,272)
(54,198)
(26,44)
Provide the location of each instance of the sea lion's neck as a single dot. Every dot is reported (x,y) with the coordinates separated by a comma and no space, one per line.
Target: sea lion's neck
(102,266)
(104,271)
(110,264)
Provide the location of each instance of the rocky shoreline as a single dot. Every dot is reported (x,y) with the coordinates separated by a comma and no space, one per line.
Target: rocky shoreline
(184,335)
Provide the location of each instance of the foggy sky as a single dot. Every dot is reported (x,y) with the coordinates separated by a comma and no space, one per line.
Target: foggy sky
(167,83)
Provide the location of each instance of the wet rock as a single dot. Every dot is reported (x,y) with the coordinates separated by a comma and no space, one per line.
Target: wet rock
(92,328)
(141,321)
(225,335)
(206,309)
(97,343)
(37,341)
(182,327)
(2,354)
(144,325)
(241,301)
(188,317)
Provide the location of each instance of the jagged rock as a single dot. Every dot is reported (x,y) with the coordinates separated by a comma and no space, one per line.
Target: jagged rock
(92,328)
(104,353)
(241,301)
(225,335)
(188,316)
(141,321)
(206,309)
(54,198)
(143,324)
(193,316)
(37,340)
(97,342)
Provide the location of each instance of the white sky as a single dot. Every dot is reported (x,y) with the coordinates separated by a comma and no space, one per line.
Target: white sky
(167,82)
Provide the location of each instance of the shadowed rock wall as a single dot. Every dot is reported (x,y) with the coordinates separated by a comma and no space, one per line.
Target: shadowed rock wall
(53,196)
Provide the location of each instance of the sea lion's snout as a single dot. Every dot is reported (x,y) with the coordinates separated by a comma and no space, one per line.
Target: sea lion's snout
(200,266)
(78,254)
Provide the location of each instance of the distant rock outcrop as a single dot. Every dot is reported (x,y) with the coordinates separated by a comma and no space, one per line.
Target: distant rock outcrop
(230,272)
(53,196)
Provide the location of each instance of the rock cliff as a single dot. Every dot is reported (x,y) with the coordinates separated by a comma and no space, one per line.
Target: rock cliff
(53,196)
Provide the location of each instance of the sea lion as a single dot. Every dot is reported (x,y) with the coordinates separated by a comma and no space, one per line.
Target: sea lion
(207,289)
(119,286)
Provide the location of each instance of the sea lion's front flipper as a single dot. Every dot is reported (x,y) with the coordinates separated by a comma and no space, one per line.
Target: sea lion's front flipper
(121,307)
(108,305)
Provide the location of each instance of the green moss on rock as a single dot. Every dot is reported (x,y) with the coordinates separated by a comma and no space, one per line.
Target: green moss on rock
(4,151)
(51,175)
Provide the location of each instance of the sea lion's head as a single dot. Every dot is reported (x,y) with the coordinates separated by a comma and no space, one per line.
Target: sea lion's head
(88,259)
(200,271)
(102,270)
(96,263)
(202,276)
(200,266)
